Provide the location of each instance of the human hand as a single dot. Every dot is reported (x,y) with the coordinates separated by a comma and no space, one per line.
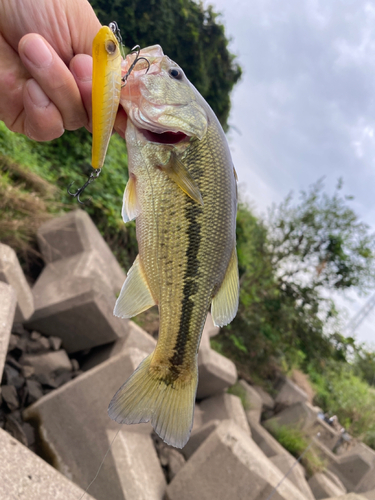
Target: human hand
(45,66)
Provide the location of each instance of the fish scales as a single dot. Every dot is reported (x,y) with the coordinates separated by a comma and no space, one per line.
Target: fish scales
(185,224)
(192,247)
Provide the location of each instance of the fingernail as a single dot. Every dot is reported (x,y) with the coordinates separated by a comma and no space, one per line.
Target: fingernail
(37,52)
(39,98)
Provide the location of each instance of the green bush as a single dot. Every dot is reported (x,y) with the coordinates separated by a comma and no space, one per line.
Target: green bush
(238,390)
(296,443)
(27,166)
(340,392)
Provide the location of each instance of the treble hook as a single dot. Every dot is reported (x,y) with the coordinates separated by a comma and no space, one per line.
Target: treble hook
(136,49)
(94,175)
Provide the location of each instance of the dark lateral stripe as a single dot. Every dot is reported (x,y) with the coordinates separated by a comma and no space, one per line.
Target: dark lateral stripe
(192,212)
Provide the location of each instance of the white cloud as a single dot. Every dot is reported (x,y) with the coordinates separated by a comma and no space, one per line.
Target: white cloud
(306,103)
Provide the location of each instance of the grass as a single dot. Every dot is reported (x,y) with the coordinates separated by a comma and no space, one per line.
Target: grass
(294,441)
(239,391)
(33,187)
(26,201)
(340,392)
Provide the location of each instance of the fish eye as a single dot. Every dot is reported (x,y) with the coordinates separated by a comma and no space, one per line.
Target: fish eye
(110,47)
(176,73)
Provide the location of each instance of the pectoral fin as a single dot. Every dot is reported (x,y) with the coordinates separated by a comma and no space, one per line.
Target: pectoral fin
(135,296)
(130,207)
(181,176)
(225,302)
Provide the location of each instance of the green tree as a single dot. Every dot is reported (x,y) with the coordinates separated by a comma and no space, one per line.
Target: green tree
(322,242)
(364,364)
(190,35)
(286,265)
(339,391)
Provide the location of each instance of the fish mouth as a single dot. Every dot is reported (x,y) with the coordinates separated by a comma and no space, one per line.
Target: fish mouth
(164,137)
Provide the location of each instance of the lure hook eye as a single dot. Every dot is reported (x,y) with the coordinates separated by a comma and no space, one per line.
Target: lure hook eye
(113,26)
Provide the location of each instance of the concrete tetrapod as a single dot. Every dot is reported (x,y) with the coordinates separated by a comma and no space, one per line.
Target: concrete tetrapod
(227,465)
(25,476)
(11,273)
(73,423)
(8,301)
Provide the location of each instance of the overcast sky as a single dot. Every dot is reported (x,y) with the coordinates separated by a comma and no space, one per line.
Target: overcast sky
(305,106)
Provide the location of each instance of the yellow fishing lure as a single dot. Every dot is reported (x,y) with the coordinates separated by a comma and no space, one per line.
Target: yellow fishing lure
(106,88)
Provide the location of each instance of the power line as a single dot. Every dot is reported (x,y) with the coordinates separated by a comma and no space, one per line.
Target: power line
(354,323)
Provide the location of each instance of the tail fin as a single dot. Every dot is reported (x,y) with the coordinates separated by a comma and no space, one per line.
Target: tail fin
(170,406)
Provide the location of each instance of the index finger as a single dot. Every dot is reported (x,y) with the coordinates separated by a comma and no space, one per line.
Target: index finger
(55,79)
(13,76)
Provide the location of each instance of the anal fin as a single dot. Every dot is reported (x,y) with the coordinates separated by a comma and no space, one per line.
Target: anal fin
(225,302)
(135,296)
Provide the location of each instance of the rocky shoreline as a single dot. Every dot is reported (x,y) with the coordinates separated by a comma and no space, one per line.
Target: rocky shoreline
(62,357)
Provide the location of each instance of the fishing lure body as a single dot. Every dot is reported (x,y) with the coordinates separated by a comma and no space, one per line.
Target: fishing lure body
(106,88)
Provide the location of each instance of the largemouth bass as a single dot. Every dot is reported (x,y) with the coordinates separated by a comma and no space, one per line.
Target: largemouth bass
(182,192)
